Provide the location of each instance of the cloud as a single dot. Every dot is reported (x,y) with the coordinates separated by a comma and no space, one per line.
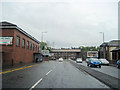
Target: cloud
(68,23)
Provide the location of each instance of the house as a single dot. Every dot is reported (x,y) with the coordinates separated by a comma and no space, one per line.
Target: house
(106,49)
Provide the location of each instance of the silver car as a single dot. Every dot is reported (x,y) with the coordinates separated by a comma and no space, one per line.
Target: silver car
(104,61)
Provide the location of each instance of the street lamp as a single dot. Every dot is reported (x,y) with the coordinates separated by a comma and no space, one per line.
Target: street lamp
(42,36)
(104,47)
(103,36)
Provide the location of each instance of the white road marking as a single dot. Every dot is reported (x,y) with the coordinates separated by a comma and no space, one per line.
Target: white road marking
(48,72)
(35,84)
(39,81)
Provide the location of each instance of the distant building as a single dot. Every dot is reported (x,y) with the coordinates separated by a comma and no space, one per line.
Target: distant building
(106,49)
(66,53)
(17,45)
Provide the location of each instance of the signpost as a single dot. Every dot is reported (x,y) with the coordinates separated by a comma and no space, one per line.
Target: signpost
(6,40)
(93,54)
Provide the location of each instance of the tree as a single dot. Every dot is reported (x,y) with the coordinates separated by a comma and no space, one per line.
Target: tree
(44,46)
(49,48)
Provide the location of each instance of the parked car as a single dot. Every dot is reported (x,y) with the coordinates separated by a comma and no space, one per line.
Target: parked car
(118,64)
(79,60)
(92,62)
(104,62)
(60,59)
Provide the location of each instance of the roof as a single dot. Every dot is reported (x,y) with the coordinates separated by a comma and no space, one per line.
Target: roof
(4,23)
(66,50)
(7,25)
(104,44)
(115,50)
(113,43)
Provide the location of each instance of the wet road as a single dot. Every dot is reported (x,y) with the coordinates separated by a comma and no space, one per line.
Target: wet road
(110,70)
(52,74)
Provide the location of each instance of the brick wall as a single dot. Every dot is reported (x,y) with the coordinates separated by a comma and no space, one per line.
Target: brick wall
(18,54)
(7,50)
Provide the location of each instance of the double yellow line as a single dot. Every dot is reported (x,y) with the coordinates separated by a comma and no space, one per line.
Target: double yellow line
(18,69)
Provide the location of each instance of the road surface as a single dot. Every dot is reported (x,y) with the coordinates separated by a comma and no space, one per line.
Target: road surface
(51,74)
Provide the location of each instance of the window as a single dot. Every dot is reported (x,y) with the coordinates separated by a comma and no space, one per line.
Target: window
(23,43)
(27,44)
(30,46)
(33,46)
(18,41)
(36,47)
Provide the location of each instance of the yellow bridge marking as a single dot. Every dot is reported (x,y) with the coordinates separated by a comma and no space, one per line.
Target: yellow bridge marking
(18,69)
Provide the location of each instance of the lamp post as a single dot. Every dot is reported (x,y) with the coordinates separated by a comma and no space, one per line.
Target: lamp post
(104,47)
(103,36)
(42,36)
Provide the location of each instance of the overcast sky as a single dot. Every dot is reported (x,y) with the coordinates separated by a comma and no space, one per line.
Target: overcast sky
(68,23)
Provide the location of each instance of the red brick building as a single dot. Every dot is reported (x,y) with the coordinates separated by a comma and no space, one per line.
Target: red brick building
(17,45)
